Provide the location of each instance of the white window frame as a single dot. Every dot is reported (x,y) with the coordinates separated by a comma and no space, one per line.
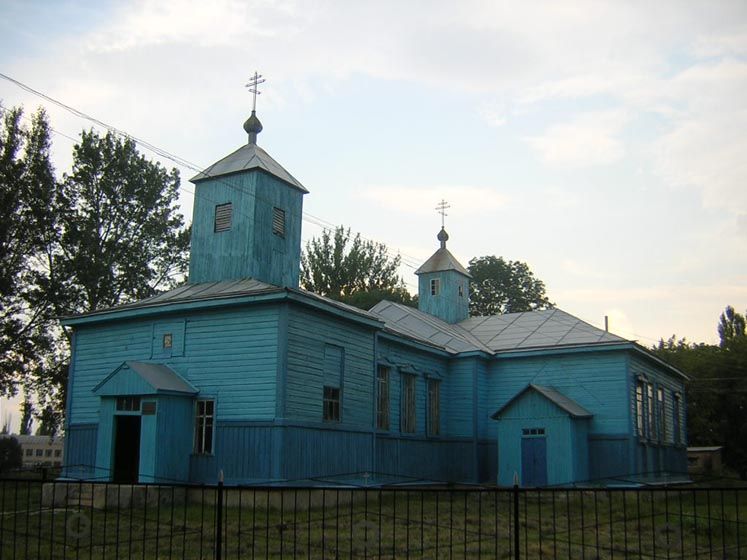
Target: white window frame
(434,407)
(204,425)
(383,416)
(435,286)
(408,421)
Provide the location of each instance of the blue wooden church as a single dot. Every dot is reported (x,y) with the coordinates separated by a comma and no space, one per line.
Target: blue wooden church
(240,371)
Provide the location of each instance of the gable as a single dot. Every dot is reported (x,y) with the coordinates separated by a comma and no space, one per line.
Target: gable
(561,402)
(140,378)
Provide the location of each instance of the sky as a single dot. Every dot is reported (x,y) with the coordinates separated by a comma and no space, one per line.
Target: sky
(602,143)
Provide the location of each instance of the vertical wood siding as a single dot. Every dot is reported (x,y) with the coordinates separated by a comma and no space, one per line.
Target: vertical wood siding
(309,332)
(249,249)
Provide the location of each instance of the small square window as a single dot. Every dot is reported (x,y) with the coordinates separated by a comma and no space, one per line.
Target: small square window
(278,222)
(435,286)
(168,340)
(223,217)
(39,452)
(331,404)
(29,452)
(57,452)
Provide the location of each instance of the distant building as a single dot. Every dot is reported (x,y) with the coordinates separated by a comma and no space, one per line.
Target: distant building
(239,371)
(704,460)
(42,450)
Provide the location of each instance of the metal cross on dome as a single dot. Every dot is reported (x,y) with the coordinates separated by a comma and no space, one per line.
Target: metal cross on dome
(441,209)
(253,86)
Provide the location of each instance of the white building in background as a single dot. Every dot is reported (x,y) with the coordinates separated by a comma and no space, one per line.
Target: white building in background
(43,451)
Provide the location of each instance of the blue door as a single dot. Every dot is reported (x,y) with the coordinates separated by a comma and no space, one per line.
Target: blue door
(534,461)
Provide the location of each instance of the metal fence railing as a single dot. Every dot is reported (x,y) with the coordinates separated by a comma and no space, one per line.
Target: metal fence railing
(82,520)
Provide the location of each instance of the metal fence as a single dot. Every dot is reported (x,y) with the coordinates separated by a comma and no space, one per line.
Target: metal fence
(82,520)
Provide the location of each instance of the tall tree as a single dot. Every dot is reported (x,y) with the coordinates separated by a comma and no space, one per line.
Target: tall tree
(503,286)
(123,237)
(348,269)
(27,416)
(27,197)
(716,390)
(731,326)
(10,454)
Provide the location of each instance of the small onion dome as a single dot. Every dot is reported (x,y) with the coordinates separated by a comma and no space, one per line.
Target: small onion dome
(443,237)
(253,127)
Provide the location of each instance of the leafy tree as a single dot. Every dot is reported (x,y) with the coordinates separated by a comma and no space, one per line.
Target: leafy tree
(502,286)
(122,235)
(351,270)
(717,389)
(11,456)
(731,326)
(49,423)
(27,193)
(27,416)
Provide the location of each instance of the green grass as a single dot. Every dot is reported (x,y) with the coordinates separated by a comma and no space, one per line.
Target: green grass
(387,524)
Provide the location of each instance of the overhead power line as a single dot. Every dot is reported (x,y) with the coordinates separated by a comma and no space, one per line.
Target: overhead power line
(406,260)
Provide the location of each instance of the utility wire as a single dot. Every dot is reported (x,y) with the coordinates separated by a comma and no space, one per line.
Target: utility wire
(406,260)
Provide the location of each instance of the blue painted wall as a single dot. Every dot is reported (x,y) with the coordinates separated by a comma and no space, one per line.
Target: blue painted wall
(565,437)
(249,249)
(447,305)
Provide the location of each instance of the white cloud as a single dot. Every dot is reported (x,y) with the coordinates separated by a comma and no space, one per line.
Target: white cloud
(590,139)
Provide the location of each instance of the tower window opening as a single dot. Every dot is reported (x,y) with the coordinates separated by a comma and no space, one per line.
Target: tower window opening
(435,286)
(223,216)
(278,222)
(461,290)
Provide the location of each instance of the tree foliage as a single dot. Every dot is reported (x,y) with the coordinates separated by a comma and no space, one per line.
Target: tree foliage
(108,233)
(731,326)
(503,286)
(27,193)
(349,269)
(10,454)
(716,390)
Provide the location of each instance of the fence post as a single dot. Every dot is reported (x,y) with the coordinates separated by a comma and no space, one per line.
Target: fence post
(219,519)
(516,517)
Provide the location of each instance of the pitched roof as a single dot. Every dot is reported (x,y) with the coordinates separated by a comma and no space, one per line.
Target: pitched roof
(161,378)
(442,260)
(413,323)
(553,395)
(226,289)
(550,328)
(535,329)
(247,157)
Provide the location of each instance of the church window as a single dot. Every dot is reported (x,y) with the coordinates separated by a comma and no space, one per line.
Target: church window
(461,290)
(223,217)
(128,404)
(204,422)
(408,404)
(660,412)
(434,398)
(435,286)
(650,410)
(278,222)
(676,398)
(331,404)
(382,402)
(639,409)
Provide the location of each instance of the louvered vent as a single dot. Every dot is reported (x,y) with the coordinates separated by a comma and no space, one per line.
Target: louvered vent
(223,216)
(278,222)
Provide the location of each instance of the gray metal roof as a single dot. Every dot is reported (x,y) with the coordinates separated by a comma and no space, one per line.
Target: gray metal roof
(441,260)
(413,323)
(535,329)
(225,289)
(550,328)
(247,157)
(162,378)
(553,395)
(194,292)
